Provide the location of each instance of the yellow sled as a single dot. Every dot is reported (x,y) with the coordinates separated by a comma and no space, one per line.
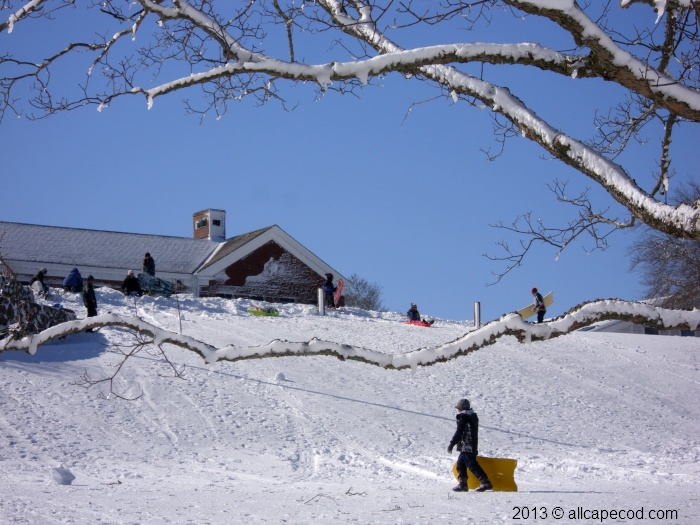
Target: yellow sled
(501,473)
(528,311)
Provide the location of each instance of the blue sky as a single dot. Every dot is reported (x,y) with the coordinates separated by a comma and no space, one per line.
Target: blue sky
(403,199)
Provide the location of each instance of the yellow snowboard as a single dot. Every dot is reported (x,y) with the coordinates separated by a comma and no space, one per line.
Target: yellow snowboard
(528,310)
(501,473)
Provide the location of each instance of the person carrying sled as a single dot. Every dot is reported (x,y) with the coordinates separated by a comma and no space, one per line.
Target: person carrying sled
(149,265)
(40,288)
(73,281)
(414,315)
(539,306)
(89,298)
(329,290)
(131,285)
(466,439)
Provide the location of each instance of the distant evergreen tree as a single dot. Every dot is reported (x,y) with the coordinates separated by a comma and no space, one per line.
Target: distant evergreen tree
(360,293)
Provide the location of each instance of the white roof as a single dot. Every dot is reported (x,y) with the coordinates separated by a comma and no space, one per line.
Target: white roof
(73,247)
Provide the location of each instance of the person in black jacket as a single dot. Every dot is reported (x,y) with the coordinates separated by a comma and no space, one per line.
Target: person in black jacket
(89,298)
(329,290)
(149,264)
(539,306)
(131,285)
(466,438)
(41,288)
(414,315)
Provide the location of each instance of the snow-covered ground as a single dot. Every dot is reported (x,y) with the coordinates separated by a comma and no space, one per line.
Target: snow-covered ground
(599,423)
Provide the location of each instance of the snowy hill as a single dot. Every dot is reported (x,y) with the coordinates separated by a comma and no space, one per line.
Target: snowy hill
(597,422)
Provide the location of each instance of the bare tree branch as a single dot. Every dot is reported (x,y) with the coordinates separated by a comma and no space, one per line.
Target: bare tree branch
(593,225)
(141,343)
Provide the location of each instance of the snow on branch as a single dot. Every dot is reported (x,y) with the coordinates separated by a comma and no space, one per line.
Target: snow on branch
(21,13)
(682,221)
(324,74)
(508,325)
(31,343)
(615,62)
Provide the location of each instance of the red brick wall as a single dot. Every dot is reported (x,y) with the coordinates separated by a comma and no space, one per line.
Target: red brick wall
(200,233)
(270,273)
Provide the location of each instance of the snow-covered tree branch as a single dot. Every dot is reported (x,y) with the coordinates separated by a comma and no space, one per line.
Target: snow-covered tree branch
(508,325)
(233,51)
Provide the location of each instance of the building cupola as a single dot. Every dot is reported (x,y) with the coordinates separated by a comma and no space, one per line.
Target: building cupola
(209,224)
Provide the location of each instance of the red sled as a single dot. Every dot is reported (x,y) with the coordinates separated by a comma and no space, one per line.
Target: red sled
(338,292)
(419,323)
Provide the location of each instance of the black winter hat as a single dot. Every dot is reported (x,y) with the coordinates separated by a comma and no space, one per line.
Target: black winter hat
(463,404)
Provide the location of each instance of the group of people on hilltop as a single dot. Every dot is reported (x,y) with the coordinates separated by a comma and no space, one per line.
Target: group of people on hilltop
(131,285)
(74,282)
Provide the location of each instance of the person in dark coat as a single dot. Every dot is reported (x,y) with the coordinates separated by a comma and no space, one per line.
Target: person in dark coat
(39,277)
(329,290)
(539,306)
(414,315)
(89,298)
(466,439)
(73,281)
(149,264)
(131,285)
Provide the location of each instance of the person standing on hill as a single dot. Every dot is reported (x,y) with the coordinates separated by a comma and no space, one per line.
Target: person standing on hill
(539,306)
(149,265)
(466,439)
(89,298)
(329,290)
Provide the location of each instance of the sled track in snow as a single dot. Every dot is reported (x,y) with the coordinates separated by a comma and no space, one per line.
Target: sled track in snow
(349,444)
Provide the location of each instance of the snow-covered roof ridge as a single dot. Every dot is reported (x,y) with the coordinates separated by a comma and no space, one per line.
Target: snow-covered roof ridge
(230,245)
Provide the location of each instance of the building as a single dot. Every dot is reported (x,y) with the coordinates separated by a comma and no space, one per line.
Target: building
(266,264)
(627,327)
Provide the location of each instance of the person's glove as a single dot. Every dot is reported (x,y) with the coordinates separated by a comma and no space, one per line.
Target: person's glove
(449,449)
